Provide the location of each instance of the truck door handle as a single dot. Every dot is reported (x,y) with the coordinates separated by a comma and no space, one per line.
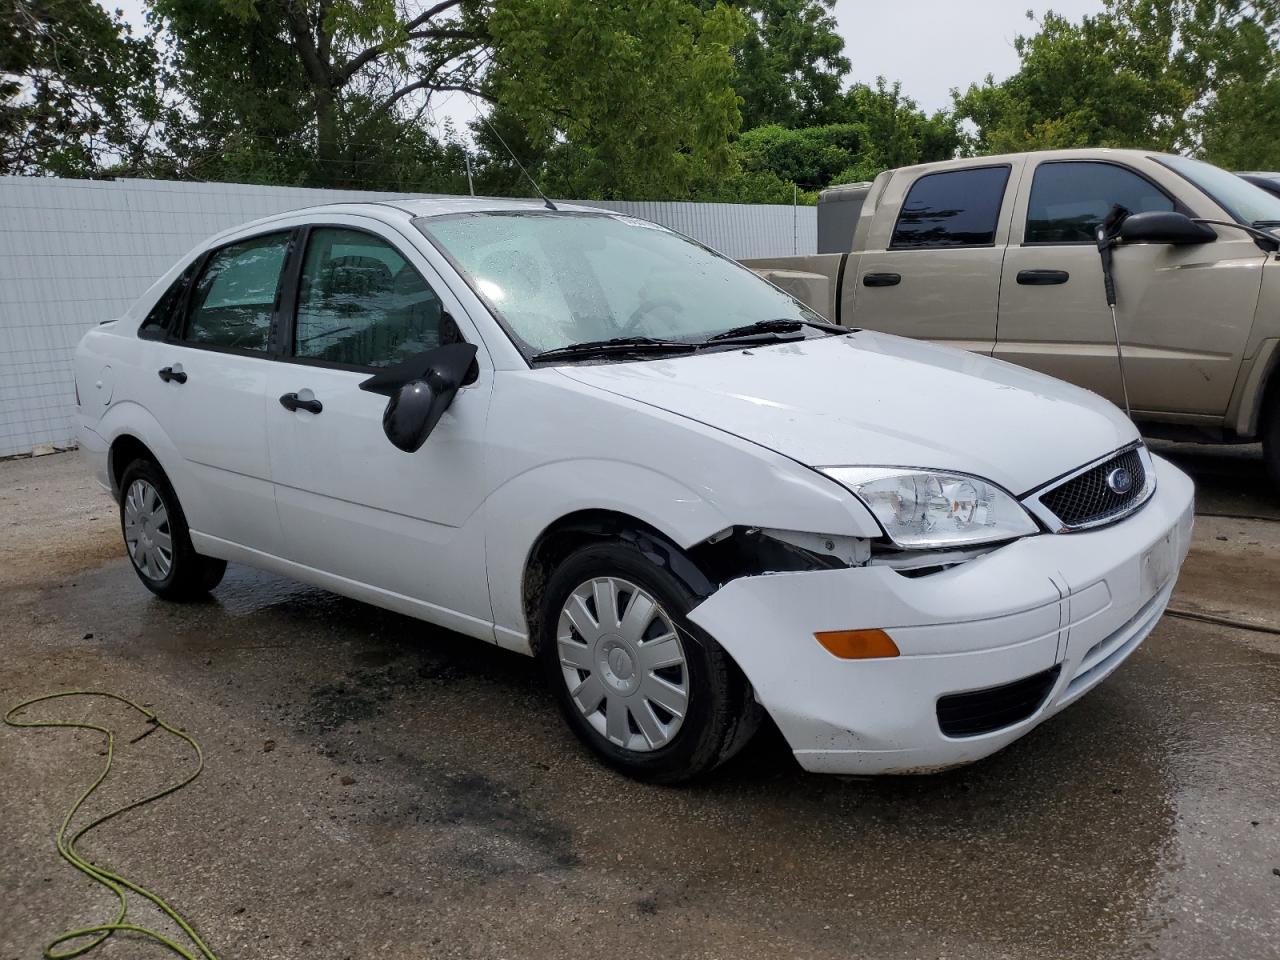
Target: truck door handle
(1042,278)
(290,401)
(169,373)
(881,279)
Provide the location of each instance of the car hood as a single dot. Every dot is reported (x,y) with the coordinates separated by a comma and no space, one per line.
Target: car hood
(874,399)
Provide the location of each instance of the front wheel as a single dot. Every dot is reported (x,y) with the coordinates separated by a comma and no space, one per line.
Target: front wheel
(157,539)
(638,683)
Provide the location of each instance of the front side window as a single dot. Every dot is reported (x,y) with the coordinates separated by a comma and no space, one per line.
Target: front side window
(561,278)
(958,208)
(1069,200)
(232,302)
(361,303)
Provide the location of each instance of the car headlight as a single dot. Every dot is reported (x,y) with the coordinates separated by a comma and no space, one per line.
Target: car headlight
(924,509)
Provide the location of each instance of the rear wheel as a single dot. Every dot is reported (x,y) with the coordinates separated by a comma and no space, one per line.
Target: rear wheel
(643,687)
(157,539)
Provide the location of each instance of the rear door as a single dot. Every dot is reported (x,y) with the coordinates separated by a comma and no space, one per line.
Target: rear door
(1183,311)
(403,525)
(206,386)
(933,273)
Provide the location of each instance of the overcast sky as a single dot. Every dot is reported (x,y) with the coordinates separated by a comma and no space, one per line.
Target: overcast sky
(930,45)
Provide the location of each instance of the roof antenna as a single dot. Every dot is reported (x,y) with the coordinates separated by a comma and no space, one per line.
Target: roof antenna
(511,153)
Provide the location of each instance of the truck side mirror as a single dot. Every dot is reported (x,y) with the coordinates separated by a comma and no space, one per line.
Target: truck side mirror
(1164,226)
(419,391)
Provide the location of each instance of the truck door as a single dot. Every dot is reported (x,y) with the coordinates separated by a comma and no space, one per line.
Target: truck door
(1184,312)
(933,272)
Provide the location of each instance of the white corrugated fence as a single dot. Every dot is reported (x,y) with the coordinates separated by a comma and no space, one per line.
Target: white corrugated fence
(75,252)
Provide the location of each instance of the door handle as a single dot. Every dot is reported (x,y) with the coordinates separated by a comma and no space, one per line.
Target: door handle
(169,373)
(290,401)
(1042,278)
(881,279)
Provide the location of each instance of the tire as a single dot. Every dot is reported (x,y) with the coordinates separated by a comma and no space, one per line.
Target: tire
(657,736)
(1271,435)
(151,519)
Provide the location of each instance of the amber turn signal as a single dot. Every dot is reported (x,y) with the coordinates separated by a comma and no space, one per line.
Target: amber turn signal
(857,644)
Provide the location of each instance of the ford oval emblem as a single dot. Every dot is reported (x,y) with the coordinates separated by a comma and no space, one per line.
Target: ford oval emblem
(1120,480)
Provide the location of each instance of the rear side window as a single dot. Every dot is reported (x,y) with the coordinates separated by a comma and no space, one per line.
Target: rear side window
(164,314)
(958,208)
(361,303)
(232,302)
(1070,200)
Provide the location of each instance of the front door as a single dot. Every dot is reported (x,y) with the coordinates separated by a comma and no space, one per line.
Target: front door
(403,525)
(205,383)
(1184,312)
(934,274)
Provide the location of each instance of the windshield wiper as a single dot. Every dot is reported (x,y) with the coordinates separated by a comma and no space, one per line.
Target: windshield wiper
(777,325)
(614,346)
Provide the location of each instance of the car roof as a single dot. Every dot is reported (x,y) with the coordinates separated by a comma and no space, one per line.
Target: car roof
(407,208)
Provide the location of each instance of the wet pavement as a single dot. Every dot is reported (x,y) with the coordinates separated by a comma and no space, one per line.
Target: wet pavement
(379,787)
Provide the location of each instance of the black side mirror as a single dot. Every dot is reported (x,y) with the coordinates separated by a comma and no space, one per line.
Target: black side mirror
(420,391)
(1164,226)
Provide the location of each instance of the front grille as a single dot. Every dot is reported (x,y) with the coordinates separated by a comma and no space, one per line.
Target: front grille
(981,711)
(1088,499)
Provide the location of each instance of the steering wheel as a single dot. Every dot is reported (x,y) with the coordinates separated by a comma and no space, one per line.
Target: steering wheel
(647,307)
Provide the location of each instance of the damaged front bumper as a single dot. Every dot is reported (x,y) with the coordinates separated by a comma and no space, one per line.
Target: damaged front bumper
(1029,628)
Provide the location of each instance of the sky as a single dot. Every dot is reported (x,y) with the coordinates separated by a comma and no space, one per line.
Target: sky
(930,45)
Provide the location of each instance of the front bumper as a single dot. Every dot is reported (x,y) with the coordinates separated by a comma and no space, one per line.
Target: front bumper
(1080,601)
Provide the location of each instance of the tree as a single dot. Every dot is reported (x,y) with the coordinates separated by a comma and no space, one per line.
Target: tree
(897,133)
(790,63)
(1195,76)
(78,92)
(635,99)
(324,87)
(1106,81)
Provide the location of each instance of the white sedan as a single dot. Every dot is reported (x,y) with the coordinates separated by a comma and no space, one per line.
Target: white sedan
(588,439)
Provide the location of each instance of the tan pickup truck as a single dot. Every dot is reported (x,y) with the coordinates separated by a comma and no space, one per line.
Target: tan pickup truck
(999,255)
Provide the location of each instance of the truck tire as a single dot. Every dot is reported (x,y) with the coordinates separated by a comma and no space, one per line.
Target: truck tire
(1271,435)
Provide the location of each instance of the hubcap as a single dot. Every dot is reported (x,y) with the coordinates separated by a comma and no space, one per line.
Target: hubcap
(146,531)
(623,663)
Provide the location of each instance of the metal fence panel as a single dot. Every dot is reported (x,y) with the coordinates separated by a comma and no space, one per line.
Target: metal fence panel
(75,252)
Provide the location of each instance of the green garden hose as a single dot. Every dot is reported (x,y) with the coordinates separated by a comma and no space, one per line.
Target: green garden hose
(114,882)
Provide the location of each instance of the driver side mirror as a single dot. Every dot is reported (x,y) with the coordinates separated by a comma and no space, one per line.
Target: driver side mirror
(1164,226)
(419,391)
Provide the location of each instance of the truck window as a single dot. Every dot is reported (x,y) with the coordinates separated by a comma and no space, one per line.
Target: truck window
(958,208)
(1069,200)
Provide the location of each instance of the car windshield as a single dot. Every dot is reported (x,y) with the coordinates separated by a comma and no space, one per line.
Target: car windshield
(556,279)
(1245,201)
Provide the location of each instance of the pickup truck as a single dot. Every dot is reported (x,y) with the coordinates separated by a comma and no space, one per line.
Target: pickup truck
(999,255)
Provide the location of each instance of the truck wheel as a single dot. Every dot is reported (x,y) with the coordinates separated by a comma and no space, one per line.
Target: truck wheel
(644,688)
(1271,436)
(157,539)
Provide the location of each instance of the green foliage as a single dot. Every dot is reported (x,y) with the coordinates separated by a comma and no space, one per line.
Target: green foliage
(636,97)
(790,64)
(881,129)
(78,92)
(1197,76)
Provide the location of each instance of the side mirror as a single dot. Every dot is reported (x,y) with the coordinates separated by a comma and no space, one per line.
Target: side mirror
(1164,226)
(420,391)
